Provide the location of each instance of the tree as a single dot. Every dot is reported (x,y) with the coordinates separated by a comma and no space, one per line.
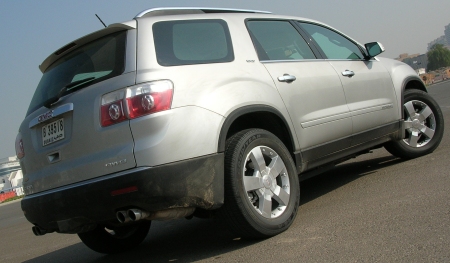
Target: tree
(438,57)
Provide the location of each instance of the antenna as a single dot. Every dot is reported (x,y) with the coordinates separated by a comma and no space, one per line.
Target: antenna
(100,19)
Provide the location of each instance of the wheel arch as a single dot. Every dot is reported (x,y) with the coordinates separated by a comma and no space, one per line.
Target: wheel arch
(410,83)
(257,116)
(413,82)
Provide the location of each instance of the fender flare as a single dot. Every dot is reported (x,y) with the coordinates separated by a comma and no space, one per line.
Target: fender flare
(407,80)
(234,115)
(411,78)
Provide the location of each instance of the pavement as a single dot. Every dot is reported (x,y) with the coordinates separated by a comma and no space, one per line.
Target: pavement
(374,208)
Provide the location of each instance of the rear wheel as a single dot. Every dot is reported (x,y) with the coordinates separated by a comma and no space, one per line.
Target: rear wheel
(112,241)
(262,191)
(424,126)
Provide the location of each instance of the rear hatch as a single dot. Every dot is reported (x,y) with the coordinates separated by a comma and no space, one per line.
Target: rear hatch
(62,136)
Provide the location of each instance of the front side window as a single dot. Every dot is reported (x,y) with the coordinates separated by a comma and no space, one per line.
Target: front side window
(99,60)
(334,45)
(186,42)
(278,40)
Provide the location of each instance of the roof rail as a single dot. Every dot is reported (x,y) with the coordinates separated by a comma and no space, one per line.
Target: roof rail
(192,10)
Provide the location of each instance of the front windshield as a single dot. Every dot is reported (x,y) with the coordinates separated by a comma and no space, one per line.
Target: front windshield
(94,62)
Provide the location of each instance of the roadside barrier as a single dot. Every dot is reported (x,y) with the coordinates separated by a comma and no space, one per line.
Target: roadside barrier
(8,195)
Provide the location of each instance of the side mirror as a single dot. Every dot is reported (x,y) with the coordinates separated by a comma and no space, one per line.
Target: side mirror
(374,49)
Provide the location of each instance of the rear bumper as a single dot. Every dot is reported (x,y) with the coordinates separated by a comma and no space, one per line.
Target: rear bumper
(72,209)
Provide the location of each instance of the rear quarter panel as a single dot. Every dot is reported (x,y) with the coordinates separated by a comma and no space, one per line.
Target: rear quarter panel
(219,88)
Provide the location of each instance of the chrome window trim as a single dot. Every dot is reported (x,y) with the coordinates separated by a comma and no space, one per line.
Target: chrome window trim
(335,59)
(291,60)
(311,60)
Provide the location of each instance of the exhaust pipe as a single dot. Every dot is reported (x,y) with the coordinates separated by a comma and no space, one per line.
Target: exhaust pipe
(123,217)
(132,215)
(137,214)
(173,213)
(37,231)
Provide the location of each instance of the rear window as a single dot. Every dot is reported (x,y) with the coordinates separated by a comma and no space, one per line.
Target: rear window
(187,42)
(101,59)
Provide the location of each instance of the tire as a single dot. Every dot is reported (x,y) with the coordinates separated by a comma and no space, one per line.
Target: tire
(424,126)
(114,241)
(262,191)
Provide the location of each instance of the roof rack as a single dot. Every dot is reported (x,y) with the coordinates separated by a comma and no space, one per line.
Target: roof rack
(192,10)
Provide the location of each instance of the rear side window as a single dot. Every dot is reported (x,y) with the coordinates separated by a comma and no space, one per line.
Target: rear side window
(278,40)
(187,42)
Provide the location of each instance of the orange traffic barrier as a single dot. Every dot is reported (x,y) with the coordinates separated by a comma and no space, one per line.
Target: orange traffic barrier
(8,195)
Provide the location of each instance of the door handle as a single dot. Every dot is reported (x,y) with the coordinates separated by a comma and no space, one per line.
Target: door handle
(286,78)
(348,73)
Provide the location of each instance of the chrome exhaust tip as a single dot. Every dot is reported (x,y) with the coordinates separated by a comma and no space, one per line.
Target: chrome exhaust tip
(123,217)
(137,214)
(37,231)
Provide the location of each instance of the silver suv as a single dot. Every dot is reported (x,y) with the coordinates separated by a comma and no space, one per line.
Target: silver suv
(203,112)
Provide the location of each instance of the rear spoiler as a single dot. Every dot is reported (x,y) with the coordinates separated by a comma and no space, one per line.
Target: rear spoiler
(86,39)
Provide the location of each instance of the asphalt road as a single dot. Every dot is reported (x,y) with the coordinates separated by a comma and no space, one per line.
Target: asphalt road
(375,208)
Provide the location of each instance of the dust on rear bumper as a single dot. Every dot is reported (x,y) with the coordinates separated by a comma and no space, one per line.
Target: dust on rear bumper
(74,208)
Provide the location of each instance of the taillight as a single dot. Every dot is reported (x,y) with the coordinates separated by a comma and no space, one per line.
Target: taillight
(136,101)
(149,98)
(19,146)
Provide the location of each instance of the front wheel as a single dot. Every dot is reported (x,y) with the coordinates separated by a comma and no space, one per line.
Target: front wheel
(112,241)
(262,190)
(424,126)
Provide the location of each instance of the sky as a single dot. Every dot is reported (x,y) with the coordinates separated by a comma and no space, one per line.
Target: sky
(31,30)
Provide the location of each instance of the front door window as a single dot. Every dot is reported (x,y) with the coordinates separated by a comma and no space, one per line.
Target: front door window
(334,45)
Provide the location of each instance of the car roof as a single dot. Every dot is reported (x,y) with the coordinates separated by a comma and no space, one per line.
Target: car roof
(190,12)
(164,13)
(169,13)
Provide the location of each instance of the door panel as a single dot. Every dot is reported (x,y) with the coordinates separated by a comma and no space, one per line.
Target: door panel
(310,88)
(315,101)
(369,93)
(367,85)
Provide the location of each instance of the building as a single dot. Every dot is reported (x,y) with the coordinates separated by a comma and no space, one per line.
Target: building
(443,40)
(417,62)
(440,40)
(404,56)
(447,34)
(11,176)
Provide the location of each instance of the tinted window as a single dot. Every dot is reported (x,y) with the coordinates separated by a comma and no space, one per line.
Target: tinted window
(278,40)
(334,45)
(94,62)
(192,42)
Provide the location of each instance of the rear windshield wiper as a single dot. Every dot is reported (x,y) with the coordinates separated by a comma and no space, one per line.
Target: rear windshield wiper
(69,87)
(78,82)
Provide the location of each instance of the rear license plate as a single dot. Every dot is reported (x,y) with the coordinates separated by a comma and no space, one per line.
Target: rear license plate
(53,132)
